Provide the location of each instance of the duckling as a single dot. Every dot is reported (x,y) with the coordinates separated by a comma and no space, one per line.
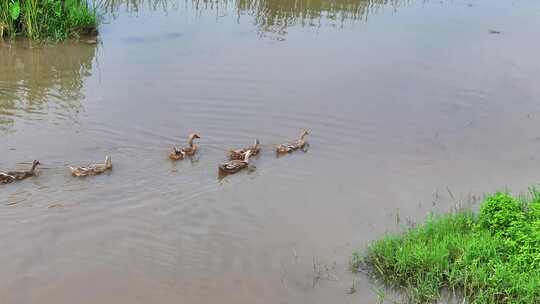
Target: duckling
(298,144)
(240,154)
(181,153)
(233,166)
(93,169)
(23,174)
(6,179)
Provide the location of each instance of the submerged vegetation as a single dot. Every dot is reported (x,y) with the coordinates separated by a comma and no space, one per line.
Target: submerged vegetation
(490,257)
(47,19)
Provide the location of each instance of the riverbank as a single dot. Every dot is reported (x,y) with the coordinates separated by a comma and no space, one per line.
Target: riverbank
(489,257)
(47,20)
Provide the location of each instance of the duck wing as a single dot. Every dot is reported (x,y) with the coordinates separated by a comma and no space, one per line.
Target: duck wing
(6,178)
(19,174)
(233,164)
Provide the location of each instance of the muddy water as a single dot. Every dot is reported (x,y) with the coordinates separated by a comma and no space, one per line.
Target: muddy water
(412,106)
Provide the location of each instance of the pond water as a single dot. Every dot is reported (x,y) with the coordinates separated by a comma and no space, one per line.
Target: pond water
(413,106)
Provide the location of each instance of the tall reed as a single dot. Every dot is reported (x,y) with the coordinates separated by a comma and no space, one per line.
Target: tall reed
(47,19)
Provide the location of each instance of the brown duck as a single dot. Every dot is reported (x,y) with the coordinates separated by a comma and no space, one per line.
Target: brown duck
(93,169)
(233,166)
(240,154)
(181,153)
(11,176)
(300,143)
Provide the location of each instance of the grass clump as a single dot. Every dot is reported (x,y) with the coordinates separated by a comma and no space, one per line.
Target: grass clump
(47,19)
(490,257)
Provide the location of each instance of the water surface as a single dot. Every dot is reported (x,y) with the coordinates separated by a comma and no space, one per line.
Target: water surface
(411,105)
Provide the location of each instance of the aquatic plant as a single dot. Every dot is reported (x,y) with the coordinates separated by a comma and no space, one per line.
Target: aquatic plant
(490,257)
(47,19)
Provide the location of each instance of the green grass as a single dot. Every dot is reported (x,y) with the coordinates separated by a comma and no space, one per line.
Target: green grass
(47,19)
(490,257)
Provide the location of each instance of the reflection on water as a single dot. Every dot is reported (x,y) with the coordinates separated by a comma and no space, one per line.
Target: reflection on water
(269,16)
(275,16)
(112,7)
(42,80)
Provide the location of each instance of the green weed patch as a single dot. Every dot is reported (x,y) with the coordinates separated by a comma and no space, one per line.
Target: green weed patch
(490,257)
(47,19)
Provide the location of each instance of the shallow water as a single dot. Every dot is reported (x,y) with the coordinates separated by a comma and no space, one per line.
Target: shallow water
(412,106)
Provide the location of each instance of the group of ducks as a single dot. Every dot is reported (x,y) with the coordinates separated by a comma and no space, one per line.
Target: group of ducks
(238,159)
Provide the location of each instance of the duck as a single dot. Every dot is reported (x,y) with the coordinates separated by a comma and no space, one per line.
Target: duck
(235,165)
(11,176)
(93,169)
(181,153)
(239,154)
(292,146)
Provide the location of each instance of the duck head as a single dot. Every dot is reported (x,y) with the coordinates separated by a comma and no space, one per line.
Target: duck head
(193,136)
(35,163)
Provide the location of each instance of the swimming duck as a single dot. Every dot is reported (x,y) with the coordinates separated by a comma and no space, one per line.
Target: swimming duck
(11,176)
(235,165)
(93,169)
(240,154)
(181,153)
(298,144)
